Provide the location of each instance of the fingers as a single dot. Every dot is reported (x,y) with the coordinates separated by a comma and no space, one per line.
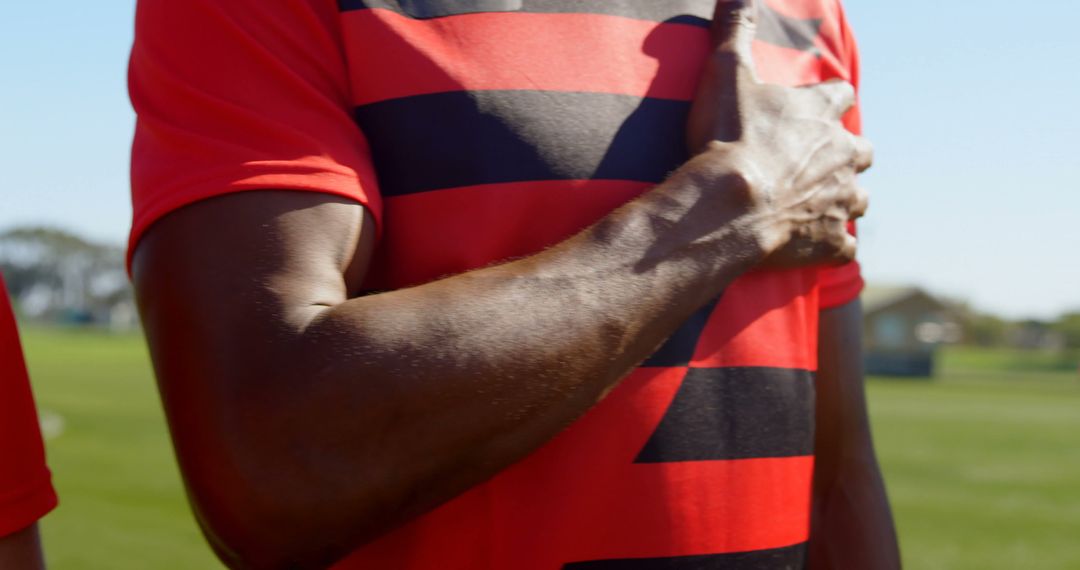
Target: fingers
(841,244)
(864,153)
(859,203)
(845,253)
(734,27)
(838,96)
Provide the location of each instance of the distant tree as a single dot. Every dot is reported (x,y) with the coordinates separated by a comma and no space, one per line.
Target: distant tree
(1068,326)
(987,330)
(1034,334)
(979,329)
(57,273)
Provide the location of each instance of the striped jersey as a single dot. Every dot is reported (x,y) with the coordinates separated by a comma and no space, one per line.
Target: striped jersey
(477,131)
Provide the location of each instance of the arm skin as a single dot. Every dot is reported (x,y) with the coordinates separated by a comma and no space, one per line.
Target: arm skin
(22,550)
(852,521)
(308,421)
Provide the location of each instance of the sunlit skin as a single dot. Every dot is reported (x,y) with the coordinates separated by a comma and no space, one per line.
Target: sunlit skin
(309,420)
(22,550)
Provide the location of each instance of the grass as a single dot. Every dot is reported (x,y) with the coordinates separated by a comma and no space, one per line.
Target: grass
(121,502)
(983,464)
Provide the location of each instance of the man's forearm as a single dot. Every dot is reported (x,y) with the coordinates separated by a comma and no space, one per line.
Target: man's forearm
(852,520)
(398,401)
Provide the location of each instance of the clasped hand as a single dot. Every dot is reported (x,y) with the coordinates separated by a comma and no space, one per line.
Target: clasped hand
(787,147)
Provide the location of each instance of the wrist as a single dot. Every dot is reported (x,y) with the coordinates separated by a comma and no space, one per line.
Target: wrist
(730,186)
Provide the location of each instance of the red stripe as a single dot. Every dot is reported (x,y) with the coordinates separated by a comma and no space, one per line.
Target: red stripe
(763,320)
(433,234)
(581,497)
(786,66)
(801,9)
(548,52)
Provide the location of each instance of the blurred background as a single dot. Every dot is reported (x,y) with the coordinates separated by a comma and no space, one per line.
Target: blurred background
(971,252)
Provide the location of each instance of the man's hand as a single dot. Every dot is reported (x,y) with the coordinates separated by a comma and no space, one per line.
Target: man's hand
(798,160)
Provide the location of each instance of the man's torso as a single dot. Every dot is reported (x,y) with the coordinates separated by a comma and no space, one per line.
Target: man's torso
(500,127)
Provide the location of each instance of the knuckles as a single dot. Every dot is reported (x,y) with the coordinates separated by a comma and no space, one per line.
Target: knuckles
(791,151)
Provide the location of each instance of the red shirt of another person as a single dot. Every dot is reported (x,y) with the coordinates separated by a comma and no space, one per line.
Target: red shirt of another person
(26,492)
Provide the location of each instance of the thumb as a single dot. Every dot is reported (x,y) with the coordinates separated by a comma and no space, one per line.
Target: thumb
(733,29)
(718,111)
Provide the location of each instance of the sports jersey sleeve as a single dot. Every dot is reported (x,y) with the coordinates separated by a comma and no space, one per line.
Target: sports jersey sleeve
(842,284)
(26,492)
(241,95)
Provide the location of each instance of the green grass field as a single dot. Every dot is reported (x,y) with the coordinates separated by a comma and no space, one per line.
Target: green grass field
(983,465)
(121,503)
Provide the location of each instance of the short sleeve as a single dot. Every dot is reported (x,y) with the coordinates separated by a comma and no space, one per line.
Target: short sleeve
(241,95)
(842,284)
(26,492)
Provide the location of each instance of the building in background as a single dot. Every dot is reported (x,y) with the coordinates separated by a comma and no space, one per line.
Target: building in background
(902,330)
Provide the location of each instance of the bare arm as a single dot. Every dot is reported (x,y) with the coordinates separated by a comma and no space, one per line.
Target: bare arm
(307,420)
(22,550)
(852,521)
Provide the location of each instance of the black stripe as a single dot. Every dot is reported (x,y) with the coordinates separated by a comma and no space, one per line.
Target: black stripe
(780,30)
(423,9)
(773,27)
(788,558)
(680,346)
(693,12)
(736,413)
(448,140)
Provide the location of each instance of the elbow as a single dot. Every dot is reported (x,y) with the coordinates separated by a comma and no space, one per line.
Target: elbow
(263,471)
(271,492)
(248,530)
(259,504)
(255,523)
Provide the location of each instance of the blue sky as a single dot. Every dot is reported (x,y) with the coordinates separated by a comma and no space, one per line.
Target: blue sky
(973,110)
(972,107)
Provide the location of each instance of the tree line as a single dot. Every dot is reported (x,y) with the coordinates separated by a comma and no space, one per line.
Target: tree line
(989,330)
(57,276)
